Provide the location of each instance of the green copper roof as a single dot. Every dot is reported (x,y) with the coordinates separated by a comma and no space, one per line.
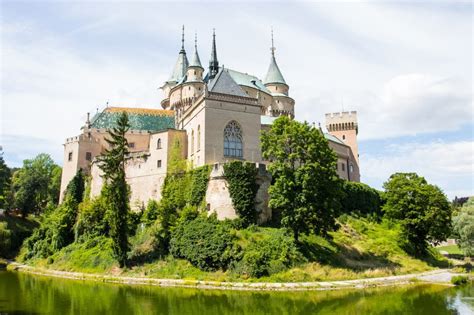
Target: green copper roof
(140,118)
(274,74)
(332,138)
(247,80)
(223,83)
(181,65)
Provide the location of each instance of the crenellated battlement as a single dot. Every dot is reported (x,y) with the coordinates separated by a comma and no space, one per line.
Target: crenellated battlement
(342,121)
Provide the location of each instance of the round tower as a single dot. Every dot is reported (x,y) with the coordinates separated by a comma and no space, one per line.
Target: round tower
(194,85)
(276,84)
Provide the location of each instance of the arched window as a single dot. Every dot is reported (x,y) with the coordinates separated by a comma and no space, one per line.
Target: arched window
(192,141)
(233,140)
(199,138)
(158,143)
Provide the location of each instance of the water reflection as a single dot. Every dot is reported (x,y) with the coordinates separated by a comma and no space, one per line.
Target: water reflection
(21,294)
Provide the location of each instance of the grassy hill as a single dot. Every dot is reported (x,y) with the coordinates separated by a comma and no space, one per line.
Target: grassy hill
(360,248)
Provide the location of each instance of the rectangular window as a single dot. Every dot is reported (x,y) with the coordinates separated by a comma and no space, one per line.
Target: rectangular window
(158,164)
(351,168)
(88,156)
(131,145)
(343,166)
(69,156)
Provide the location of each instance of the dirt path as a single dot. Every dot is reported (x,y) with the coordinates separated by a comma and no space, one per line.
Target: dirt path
(440,276)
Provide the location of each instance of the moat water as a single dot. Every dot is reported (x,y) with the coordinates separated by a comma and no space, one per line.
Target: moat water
(28,294)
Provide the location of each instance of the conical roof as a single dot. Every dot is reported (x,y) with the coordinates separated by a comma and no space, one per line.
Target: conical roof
(196,61)
(180,67)
(274,74)
(179,70)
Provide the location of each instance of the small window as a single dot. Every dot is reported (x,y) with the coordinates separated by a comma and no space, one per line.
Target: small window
(194,72)
(158,143)
(158,163)
(131,145)
(69,156)
(343,166)
(88,156)
(343,137)
(351,168)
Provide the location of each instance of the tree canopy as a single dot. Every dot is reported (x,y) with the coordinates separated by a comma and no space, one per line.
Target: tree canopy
(36,184)
(306,188)
(463,227)
(5,181)
(422,209)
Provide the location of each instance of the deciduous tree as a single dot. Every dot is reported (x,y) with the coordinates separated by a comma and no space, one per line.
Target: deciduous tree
(463,227)
(306,188)
(422,209)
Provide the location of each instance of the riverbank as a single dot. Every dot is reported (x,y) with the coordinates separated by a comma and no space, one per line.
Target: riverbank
(440,276)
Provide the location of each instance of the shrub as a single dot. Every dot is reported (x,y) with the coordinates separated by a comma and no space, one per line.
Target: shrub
(459,280)
(241,177)
(204,242)
(149,244)
(92,219)
(151,212)
(275,253)
(361,198)
(55,232)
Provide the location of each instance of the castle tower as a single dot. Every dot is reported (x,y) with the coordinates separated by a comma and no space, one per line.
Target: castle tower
(213,62)
(276,84)
(344,126)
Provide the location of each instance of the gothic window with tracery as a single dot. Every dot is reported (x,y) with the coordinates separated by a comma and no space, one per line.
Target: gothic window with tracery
(233,140)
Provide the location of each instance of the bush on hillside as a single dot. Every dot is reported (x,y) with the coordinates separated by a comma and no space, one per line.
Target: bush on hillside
(92,219)
(269,255)
(361,198)
(149,244)
(205,242)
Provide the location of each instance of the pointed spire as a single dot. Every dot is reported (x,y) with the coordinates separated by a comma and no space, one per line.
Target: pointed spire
(182,40)
(181,65)
(196,61)
(273,74)
(213,63)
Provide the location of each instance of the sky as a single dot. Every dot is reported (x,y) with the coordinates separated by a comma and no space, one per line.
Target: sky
(405,67)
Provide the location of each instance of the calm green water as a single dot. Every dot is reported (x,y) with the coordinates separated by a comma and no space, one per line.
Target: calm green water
(26,294)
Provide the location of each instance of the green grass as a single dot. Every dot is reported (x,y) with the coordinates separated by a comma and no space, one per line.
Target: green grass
(450,249)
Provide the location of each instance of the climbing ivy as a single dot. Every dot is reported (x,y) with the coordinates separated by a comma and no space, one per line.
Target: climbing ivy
(198,184)
(241,177)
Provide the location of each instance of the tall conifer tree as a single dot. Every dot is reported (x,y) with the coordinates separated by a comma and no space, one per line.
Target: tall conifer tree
(116,190)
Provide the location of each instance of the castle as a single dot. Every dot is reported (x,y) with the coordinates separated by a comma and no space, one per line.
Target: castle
(216,116)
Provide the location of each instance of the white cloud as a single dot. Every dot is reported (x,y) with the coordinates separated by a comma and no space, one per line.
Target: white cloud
(449,165)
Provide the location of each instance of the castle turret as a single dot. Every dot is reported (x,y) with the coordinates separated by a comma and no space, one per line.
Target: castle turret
(213,62)
(195,69)
(276,84)
(344,126)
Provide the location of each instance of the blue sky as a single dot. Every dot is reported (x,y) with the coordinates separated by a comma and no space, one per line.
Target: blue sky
(406,67)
